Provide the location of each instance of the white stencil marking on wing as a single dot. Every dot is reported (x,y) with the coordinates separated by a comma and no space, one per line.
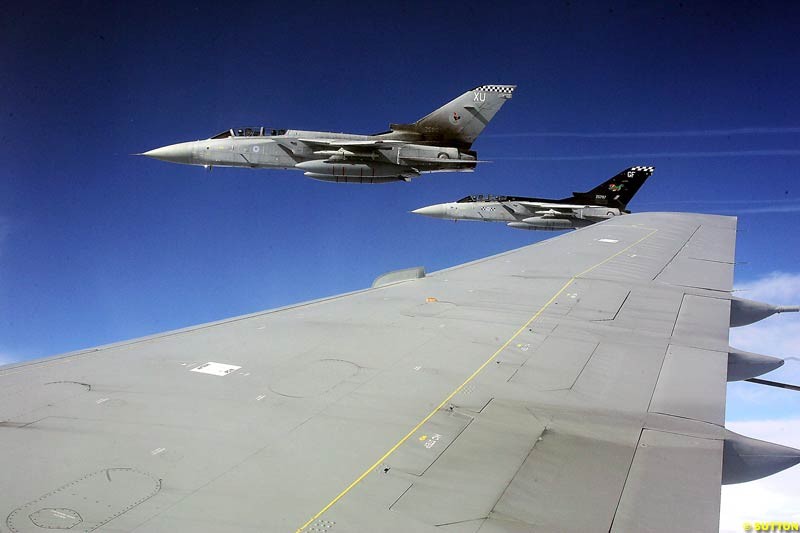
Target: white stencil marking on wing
(215,369)
(608,240)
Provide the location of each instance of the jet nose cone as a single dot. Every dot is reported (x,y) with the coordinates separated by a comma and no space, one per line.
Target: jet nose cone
(436,211)
(174,153)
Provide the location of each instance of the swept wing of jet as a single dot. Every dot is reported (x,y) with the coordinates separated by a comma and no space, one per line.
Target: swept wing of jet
(574,385)
(607,200)
(439,142)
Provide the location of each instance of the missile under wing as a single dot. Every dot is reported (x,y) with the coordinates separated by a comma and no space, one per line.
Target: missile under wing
(438,142)
(574,385)
(607,200)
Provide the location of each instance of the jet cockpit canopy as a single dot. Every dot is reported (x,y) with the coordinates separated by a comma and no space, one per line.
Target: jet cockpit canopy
(259,131)
(483,198)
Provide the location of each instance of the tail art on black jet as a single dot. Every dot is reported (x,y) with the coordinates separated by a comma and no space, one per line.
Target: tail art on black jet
(607,200)
(617,191)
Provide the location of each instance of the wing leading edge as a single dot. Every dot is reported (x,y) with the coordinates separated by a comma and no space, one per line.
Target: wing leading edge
(576,384)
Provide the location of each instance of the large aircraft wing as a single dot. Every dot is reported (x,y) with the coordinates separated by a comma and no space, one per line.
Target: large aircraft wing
(577,384)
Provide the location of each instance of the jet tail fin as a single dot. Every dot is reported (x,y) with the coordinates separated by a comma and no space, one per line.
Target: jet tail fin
(460,121)
(617,191)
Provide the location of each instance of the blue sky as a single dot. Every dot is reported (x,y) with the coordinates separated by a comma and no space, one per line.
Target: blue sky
(97,245)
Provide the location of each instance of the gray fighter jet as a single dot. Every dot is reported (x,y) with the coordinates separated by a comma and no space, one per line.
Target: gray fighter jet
(607,200)
(438,142)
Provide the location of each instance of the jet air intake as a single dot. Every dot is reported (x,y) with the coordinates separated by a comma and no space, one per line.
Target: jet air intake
(744,312)
(357,172)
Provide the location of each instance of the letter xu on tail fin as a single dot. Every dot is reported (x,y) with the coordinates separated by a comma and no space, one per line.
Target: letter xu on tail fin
(460,121)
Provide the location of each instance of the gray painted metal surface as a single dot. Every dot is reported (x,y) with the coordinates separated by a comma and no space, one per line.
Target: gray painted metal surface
(570,385)
(744,312)
(607,200)
(438,142)
(745,365)
(396,276)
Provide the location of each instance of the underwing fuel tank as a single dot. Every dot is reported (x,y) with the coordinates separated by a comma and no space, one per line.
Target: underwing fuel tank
(543,223)
(357,172)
